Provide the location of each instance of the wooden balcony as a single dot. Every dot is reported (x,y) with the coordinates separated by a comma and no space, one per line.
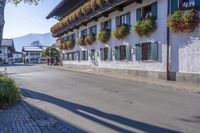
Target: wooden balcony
(105,10)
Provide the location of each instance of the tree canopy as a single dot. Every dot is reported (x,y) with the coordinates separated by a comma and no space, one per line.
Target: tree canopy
(35,2)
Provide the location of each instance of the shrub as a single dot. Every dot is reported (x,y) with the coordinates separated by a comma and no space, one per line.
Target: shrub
(9,91)
(90,39)
(104,36)
(86,8)
(184,20)
(145,26)
(81,41)
(121,31)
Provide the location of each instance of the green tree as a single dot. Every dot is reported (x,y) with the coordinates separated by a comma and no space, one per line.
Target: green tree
(2,8)
(52,52)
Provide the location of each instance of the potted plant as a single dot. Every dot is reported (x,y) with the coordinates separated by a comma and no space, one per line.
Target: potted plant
(79,12)
(145,26)
(90,39)
(104,36)
(94,4)
(121,31)
(86,8)
(184,20)
(81,41)
(70,44)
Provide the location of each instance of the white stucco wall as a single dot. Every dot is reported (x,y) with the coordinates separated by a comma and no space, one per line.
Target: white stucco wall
(184,48)
(158,36)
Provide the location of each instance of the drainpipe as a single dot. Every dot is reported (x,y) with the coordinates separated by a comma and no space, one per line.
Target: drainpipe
(168,45)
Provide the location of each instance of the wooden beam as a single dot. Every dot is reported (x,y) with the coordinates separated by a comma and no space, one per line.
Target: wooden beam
(139,1)
(96,19)
(106,15)
(120,8)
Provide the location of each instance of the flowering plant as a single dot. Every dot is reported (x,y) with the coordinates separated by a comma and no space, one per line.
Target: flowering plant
(90,39)
(81,41)
(86,8)
(184,20)
(104,36)
(121,31)
(145,26)
(70,44)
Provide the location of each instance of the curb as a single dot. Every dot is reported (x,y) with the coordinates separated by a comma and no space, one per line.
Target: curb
(163,83)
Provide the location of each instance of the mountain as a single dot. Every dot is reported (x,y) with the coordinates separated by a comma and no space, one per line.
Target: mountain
(45,39)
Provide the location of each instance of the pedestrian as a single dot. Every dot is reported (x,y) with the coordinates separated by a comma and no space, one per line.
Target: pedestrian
(48,61)
(27,61)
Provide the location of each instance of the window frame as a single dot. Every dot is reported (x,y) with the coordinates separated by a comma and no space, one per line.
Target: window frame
(106,25)
(93,28)
(84,32)
(119,19)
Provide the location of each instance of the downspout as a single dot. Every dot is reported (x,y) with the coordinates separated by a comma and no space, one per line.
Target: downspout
(168,45)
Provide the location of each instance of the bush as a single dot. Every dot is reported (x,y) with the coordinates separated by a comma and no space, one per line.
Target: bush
(9,91)
(184,20)
(81,41)
(145,26)
(121,31)
(104,36)
(90,39)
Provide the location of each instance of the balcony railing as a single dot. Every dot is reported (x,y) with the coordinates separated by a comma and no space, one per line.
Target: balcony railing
(94,15)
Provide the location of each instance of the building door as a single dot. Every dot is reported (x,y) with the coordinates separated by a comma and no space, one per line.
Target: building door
(93,54)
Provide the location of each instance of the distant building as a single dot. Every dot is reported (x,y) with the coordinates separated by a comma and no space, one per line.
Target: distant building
(6,50)
(17,57)
(33,53)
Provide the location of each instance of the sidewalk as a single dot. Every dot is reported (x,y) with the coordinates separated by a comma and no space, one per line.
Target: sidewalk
(25,118)
(181,86)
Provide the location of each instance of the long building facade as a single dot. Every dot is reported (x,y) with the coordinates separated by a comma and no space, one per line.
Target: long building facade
(93,38)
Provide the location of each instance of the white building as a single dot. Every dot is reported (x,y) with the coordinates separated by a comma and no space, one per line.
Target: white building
(156,55)
(33,53)
(6,50)
(17,57)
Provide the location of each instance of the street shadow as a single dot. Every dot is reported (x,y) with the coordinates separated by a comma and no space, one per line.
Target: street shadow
(89,112)
(15,65)
(194,119)
(36,118)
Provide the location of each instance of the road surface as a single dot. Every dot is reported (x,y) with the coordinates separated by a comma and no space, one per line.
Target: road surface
(106,105)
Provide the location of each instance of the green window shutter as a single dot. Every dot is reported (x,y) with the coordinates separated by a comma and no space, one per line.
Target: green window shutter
(138,52)
(81,55)
(117,21)
(138,14)
(174,5)
(110,54)
(154,51)
(101,54)
(102,26)
(116,53)
(128,18)
(154,10)
(197,3)
(128,53)
(110,25)
(86,56)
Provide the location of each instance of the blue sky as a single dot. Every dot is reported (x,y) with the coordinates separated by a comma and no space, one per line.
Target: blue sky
(24,19)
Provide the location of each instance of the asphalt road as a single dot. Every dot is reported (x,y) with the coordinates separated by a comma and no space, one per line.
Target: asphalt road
(106,105)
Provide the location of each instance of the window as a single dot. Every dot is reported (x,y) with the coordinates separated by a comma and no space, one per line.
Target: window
(84,55)
(147,51)
(0,51)
(84,33)
(123,19)
(104,54)
(147,11)
(106,25)
(73,37)
(73,56)
(93,30)
(175,4)
(123,53)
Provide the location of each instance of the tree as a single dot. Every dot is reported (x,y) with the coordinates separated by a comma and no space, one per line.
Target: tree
(52,52)
(2,8)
